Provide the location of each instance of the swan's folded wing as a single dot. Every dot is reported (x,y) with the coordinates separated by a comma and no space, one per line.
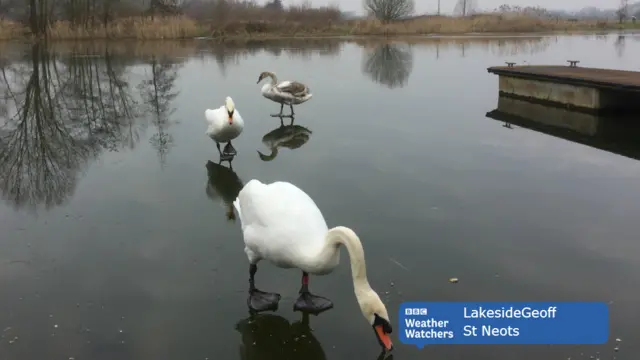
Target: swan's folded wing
(215,119)
(248,203)
(210,115)
(254,240)
(293,87)
(273,206)
(279,222)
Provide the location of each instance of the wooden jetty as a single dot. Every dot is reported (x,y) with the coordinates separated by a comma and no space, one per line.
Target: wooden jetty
(619,135)
(578,88)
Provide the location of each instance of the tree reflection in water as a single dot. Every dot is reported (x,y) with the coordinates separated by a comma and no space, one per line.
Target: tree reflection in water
(60,112)
(65,105)
(389,64)
(158,93)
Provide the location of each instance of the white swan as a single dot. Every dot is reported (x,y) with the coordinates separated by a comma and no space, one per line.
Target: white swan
(225,124)
(283,225)
(286,92)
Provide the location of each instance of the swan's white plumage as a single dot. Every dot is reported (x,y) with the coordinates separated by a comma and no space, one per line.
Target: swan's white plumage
(287,92)
(219,128)
(283,225)
(276,93)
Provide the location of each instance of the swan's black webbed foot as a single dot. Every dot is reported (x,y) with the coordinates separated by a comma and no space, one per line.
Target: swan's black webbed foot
(259,301)
(313,304)
(229,150)
(309,303)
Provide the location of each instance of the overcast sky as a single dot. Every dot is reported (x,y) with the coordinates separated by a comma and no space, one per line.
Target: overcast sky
(446,6)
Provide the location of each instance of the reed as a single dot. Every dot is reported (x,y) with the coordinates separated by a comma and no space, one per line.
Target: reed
(10,30)
(484,23)
(142,28)
(244,20)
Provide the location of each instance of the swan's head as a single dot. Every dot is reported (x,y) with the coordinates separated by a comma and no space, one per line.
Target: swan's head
(376,314)
(231,107)
(263,75)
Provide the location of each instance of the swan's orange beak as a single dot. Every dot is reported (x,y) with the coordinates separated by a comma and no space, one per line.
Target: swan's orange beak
(230,120)
(383,338)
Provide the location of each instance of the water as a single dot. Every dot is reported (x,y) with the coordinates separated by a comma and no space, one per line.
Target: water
(114,247)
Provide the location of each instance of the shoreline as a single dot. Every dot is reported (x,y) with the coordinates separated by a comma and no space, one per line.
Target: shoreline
(312,24)
(340,37)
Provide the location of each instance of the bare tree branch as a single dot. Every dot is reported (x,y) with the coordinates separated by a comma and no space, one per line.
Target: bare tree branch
(389,10)
(623,10)
(62,111)
(465,7)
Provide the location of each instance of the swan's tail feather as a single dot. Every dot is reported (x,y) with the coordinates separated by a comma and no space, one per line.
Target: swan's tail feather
(236,205)
(245,194)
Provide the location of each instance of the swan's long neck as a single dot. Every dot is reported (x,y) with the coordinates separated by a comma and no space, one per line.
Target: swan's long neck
(274,79)
(264,157)
(341,235)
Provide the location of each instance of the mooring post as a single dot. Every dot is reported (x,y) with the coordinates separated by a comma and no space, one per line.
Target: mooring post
(510,64)
(572,63)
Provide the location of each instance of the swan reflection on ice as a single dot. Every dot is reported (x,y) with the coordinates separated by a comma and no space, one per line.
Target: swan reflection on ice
(272,337)
(287,136)
(223,185)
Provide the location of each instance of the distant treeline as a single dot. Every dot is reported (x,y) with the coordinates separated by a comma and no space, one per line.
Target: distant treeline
(40,14)
(164,19)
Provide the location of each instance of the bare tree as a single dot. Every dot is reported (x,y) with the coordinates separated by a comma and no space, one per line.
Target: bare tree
(165,7)
(623,10)
(274,5)
(389,10)
(465,7)
(158,93)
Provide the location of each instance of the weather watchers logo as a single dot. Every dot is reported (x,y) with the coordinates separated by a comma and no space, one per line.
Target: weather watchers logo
(428,329)
(415,311)
(503,323)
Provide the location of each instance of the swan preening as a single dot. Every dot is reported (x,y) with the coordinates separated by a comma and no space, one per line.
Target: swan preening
(225,124)
(282,224)
(286,92)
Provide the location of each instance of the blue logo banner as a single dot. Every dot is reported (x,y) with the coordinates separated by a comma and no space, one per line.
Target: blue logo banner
(431,323)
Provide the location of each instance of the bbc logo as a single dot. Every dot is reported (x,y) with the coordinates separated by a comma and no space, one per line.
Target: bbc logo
(415,311)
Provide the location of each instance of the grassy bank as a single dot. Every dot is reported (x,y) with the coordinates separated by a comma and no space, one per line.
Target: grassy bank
(318,24)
